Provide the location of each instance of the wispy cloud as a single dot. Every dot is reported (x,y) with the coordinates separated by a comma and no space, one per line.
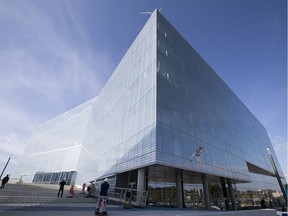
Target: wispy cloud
(44,70)
(279,143)
(281,150)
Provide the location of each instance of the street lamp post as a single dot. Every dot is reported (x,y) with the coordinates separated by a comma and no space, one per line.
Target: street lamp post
(5,166)
(277,175)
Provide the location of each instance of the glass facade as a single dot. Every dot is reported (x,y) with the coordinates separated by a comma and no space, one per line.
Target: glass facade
(121,134)
(54,177)
(56,145)
(195,107)
(162,103)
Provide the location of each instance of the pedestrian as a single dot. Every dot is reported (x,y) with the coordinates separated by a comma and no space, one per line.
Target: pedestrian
(89,190)
(4,181)
(263,203)
(61,188)
(101,204)
(83,188)
(71,191)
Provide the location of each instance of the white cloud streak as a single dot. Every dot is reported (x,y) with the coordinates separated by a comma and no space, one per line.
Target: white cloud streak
(279,143)
(47,67)
(281,150)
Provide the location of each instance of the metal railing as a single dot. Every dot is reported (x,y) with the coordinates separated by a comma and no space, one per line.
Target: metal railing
(127,195)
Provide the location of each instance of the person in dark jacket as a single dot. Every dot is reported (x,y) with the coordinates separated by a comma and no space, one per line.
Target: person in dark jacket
(263,203)
(104,188)
(61,188)
(4,181)
(101,204)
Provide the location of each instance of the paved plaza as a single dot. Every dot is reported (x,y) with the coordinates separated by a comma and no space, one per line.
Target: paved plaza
(31,200)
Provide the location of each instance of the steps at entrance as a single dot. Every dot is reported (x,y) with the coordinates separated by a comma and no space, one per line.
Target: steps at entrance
(35,193)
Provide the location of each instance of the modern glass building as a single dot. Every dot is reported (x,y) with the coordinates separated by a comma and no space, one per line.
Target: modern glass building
(166,121)
(54,149)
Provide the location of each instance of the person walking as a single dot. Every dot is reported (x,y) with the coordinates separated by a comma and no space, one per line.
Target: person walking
(61,188)
(263,203)
(4,181)
(101,204)
(71,191)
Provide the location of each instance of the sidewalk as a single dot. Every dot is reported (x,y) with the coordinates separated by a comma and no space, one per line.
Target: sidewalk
(31,200)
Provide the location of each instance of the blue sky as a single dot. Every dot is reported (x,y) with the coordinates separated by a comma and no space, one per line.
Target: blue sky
(56,54)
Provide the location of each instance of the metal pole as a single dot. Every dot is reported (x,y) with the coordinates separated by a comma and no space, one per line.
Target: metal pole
(5,167)
(277,175)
